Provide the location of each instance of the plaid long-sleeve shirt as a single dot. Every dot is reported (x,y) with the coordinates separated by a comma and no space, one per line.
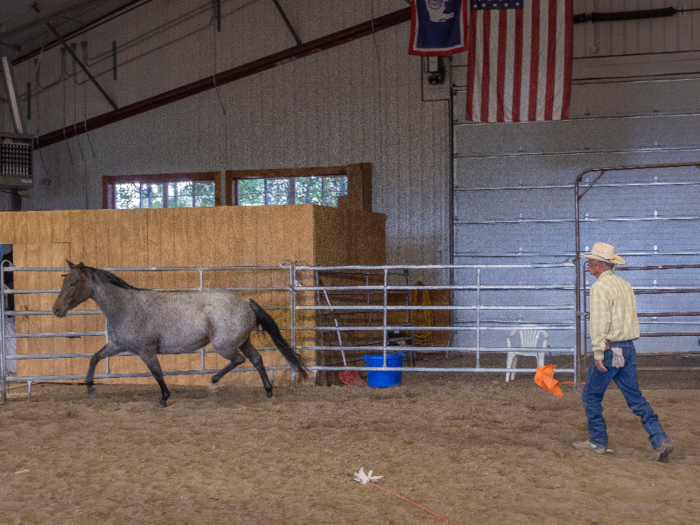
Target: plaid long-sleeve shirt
(613,312)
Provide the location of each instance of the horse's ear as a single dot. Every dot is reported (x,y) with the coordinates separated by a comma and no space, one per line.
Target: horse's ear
(70,264)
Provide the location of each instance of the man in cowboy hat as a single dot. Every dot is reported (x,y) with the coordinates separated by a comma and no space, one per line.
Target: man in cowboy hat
(613,327)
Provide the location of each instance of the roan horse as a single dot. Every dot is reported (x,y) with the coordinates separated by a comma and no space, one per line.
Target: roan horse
(147,323)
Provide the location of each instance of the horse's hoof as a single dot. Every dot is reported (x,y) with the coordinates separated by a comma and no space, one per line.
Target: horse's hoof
(269,394)
(213,386)
(91,393)
(163,404)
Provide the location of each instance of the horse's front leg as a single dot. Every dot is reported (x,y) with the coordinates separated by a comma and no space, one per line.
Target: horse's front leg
(107,350)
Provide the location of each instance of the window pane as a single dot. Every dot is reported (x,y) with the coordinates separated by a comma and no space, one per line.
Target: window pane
(126,196)
(152,195)
(251,192)
(334,187)
(308,190)
(180,194)
(276,191)
(204,194)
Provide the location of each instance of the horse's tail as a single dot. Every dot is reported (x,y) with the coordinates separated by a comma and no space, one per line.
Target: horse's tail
(268,324)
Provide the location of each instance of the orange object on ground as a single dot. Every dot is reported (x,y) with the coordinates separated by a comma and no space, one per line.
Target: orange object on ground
(352,378)
(544,378)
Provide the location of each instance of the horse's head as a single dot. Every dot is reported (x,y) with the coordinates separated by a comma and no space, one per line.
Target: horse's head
(77,288)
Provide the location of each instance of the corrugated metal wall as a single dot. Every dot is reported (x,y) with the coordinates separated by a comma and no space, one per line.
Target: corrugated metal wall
(634,101)
(359,102)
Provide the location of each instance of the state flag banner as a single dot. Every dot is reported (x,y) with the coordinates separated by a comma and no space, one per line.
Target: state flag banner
(438,27)
(519,60)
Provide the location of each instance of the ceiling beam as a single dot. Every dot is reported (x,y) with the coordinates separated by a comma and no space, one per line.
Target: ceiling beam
(286,21)
(90,25)
(11,46)
(77,60)
(231,75)
(44,17)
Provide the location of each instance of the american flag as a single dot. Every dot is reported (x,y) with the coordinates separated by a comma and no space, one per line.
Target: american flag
(519,60)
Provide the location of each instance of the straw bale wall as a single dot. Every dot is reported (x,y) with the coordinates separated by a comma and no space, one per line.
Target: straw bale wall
(181,237)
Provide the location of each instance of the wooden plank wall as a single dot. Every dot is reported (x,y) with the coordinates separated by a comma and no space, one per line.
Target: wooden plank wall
(348,237)
(180,237)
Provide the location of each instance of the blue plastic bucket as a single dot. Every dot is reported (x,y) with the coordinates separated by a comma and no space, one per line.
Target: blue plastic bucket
(384,379)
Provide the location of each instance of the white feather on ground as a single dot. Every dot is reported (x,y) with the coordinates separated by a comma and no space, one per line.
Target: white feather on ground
(364,478)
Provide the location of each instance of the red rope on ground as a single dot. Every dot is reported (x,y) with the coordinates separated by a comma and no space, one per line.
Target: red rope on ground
(411,502)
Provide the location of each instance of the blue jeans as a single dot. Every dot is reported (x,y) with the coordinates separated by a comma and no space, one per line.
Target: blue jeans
(626,379)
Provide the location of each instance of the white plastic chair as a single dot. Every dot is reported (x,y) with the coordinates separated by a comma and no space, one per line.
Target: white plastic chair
(529,338)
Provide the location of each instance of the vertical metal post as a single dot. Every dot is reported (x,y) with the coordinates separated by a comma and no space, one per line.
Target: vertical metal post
(385,323)
(577,289)
(292,312)
(201,287)
(217,8)
(106,341)
(580,320)
(478,315)
(369,302)
(3,393)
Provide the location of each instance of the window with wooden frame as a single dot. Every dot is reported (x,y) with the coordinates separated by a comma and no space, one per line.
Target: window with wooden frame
(173,190)
(338,186)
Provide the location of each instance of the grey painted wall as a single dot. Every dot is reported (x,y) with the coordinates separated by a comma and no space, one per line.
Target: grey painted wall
(360,102)
(634,101)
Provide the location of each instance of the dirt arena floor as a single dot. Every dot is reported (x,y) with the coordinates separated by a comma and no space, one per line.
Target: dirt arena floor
(472,449)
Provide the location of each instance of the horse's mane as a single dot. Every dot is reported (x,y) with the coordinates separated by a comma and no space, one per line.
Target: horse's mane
(104,275)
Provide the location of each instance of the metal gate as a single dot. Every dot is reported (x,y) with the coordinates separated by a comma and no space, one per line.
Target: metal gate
(660,231)
(491,302)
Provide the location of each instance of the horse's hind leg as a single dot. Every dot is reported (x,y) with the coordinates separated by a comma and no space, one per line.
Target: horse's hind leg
(254,357)
(239,359)
(107,350)
(153,365)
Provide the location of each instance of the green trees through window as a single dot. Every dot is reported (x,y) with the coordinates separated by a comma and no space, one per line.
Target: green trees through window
(322,190)
(179,194)
(323,186)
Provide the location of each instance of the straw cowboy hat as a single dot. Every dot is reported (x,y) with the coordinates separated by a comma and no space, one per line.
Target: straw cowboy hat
(604,252)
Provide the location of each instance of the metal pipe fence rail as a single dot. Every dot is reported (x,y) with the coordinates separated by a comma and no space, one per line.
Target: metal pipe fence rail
(489,315)
(659,291)
(474,304)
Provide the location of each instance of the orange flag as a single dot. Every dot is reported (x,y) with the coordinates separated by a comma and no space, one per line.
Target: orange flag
(544,378)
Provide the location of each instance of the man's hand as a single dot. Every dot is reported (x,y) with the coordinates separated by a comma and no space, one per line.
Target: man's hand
(599,365)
